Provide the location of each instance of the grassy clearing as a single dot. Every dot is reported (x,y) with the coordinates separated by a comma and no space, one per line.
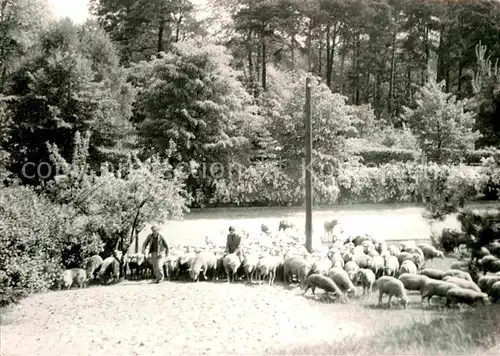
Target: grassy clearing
(473,331)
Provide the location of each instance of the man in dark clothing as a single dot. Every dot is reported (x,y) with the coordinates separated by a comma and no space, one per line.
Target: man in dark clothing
(158,251)
(233,243)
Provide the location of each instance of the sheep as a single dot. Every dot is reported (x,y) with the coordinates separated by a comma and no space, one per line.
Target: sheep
(362,260)
(135,263)
(497,274)
(462,283)
(494,248)
(266,268)
(336,258)
(486,262)
(203,262)
(110,270)
(373,253)
(430,252)
(249,264)
(495,292)
(418,259)
(391,266)
(382,247)
(436,288)
(342,280)
(367,279)
(358,240)
(478,253)
(413,281)
(351,268)
(407,267)
(329,226)
(358,250)
(490,282)
(171,266)
(186,260)
(285,224)
(458,273)
(298,266)
(414,249)
(432,273)
(377,265)
(394,250)
(404,256)
(74,277)
(231,264)
(461,295)
(319,281)
(92,266)
(322,267)
(482,283)
(393,287)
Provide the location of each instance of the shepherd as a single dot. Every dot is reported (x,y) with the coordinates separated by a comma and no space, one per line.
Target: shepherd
(158,251)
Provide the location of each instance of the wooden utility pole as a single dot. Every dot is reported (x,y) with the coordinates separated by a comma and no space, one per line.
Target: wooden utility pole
(308,168)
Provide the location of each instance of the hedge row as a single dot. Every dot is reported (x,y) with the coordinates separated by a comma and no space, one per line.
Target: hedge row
(384,155)
(267,184)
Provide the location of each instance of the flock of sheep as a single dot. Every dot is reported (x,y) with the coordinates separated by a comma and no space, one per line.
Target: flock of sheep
(392,269)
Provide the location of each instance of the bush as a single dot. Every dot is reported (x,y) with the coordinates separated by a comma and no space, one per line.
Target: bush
(268,184)
(30,231)
(387,155)
(476,156)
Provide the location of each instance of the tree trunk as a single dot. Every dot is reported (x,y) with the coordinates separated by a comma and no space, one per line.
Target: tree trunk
(309,34)
(357,89)
(250,63)
(330,49)
(460,73)
(342,64)
(391,74)
(161,29)
(427,54)
(178,28)
(264,64)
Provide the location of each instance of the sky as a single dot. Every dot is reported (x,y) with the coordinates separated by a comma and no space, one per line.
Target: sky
(77,9)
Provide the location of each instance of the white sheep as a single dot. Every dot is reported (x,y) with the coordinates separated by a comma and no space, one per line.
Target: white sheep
(413,281)
(321,266)
(436,288)
(74,277)
(362,260)
(391,266)
(462,283)
(458,273)
(460,295)
(377,265)
(394,250)
(407,267)
(404,256)
(392,287)
(351,268)
(367,279)
(341,278)
(430,252)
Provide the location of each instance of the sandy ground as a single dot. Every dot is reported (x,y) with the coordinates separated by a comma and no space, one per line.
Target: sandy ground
(140,318)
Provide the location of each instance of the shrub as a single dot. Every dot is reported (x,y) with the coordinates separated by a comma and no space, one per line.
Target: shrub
(476,156)
(31,229)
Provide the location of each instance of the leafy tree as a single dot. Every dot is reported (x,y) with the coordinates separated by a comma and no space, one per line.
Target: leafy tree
(443,127)
(72,84)
(113,204)
(192,96)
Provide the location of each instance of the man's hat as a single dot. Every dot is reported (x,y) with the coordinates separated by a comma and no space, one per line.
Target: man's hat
(231,228)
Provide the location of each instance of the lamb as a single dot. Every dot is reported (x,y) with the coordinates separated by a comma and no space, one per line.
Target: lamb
(322,267)
(391,266)
(461,295)
(342,280)
(462,283)
(377,265)
(319,281)
(436,288)
(432,273)
(351,268)
(430,252)
(267,266)
(231,264)
(418,259)
(407,267)
(185,262)
(110,270)
(171,266)
(92,266)
(367,279)
(458,273)
(202,263)
(74,277)
(414,281)
(495,292)
(250,266)
(298,266)
(392,287)
(135,264)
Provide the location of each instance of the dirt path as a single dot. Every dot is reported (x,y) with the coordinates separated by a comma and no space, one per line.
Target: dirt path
(190,318)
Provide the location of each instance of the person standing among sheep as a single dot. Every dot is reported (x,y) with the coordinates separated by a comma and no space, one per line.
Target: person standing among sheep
(233,243)
(158,251)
